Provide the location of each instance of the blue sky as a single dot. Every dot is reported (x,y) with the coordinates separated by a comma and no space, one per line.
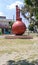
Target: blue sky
(7,8)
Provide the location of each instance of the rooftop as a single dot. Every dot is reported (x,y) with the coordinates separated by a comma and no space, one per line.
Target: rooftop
(5,20)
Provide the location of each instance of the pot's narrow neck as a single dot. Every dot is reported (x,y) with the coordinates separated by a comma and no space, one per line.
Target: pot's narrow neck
(20,19)
(17,13)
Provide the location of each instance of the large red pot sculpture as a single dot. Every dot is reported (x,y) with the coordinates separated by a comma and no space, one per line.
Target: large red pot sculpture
(18,27)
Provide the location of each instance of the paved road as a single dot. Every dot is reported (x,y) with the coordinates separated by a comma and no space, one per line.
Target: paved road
(2,36)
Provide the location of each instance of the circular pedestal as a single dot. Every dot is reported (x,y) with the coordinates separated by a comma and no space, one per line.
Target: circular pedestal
(18,37)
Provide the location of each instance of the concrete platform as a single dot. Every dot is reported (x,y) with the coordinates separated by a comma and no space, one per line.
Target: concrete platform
(18,37)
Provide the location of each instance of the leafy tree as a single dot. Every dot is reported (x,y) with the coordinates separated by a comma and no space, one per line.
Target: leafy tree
(30,7)
(10,25)
(31,27)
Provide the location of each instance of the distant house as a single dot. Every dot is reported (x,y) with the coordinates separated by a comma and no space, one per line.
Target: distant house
(4,23)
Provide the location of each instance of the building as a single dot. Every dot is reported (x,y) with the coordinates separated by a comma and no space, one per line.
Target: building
(4,24)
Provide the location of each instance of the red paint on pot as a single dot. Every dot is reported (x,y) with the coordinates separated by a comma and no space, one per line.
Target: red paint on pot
(18,27)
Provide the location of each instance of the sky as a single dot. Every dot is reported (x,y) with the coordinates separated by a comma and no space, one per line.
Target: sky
(7,8)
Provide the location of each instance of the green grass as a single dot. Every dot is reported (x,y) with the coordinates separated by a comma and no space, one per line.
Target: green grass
(10,45)
(17,41)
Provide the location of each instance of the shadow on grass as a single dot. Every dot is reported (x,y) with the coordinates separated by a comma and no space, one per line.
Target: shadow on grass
(21,62)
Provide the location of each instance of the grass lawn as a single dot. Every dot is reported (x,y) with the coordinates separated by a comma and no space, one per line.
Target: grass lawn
(22,48)
(6,45)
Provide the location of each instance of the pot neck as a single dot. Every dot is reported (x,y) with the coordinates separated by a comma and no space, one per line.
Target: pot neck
(20,19)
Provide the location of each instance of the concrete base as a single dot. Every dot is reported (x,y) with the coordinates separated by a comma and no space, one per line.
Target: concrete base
(18,37)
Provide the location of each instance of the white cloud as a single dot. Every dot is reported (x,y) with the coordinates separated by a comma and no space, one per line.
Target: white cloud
(1,14)
(12,6)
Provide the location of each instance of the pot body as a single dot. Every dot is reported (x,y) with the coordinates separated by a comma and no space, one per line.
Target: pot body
(18,28)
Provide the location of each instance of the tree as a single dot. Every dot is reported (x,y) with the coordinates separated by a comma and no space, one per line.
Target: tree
(30,7)
(31,27)
(10,26)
